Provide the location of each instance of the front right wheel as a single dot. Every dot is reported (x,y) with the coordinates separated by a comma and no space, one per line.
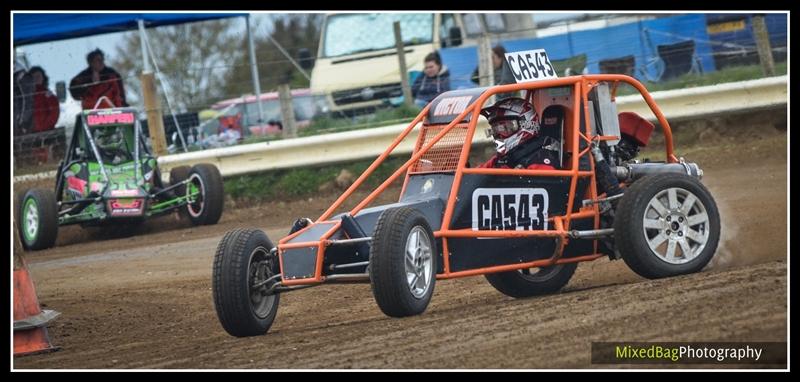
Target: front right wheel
(666,225)
(38,219)
(402,264)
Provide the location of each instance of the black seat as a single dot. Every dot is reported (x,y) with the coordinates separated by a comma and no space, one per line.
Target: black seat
(552,125)
(620,65)
(678,58)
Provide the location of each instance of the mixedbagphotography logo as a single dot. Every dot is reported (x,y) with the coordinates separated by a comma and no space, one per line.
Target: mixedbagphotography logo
(765,353)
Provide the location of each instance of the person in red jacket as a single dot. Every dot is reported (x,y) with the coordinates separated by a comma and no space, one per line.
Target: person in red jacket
(45,103)
(515,129)
(96,81)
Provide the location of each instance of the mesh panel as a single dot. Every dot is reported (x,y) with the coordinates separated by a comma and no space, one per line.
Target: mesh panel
(443,156)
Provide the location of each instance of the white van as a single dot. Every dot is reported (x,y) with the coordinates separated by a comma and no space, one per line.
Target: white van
(356,64)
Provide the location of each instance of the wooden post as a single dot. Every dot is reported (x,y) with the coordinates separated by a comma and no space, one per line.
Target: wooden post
(763,46)
(152,106)
(485,65)
(287,111)
(401,57)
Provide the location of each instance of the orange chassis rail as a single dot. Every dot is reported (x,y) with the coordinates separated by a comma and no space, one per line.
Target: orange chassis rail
(581,86)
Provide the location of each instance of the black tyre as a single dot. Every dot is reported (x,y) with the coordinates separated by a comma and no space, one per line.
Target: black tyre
(402,264)
(243,261)
(664,214)
(177,175)
(37,219)
(206,204)
(532,282)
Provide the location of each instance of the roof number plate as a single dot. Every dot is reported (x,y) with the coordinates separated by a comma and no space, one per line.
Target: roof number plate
(531,65)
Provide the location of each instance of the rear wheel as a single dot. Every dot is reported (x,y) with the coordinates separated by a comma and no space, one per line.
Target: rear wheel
(667,225)
(532,282)
(38,219)
(206,194)
(243,268)
(402,262)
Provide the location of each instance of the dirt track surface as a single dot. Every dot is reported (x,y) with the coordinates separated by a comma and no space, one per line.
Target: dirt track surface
(145,302)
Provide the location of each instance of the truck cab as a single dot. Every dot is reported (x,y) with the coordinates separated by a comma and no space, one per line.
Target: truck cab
(357,66)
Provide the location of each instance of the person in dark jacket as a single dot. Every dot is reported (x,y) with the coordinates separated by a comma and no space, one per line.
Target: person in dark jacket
(96,81)
(434,80)
(502,72)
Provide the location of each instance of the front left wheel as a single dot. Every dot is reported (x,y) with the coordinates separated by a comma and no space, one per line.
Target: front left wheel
(242,276)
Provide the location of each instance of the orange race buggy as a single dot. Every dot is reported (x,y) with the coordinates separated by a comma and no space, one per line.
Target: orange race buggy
(525,230)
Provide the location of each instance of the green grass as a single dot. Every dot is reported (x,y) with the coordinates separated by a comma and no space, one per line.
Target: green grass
(382,117)
(730,74)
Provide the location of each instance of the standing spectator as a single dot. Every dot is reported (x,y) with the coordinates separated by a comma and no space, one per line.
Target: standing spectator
(434,80)
(502,72)
(45,103)
(97,81)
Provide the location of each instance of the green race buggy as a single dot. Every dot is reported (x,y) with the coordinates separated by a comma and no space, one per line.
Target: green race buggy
(109,177)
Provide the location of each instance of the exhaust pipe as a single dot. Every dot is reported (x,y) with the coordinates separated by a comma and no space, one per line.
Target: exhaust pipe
(633,171)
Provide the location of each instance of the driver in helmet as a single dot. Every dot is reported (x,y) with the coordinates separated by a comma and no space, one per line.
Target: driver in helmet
(515,130)
(111,145)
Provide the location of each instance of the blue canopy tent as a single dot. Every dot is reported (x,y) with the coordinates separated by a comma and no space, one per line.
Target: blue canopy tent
(31,28)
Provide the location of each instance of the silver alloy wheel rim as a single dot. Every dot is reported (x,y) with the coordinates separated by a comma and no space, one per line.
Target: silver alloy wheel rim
(418,262)
(675,219)
(258,270)
(31,220)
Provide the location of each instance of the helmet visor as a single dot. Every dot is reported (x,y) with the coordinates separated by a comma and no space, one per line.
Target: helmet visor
(504,128)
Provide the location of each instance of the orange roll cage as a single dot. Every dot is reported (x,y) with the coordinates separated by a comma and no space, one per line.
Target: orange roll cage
(581,86)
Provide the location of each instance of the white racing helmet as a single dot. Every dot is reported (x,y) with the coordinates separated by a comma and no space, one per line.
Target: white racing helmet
(512,121)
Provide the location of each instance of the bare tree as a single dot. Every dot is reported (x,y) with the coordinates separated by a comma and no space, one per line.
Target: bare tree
(293,32)
(194,60)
